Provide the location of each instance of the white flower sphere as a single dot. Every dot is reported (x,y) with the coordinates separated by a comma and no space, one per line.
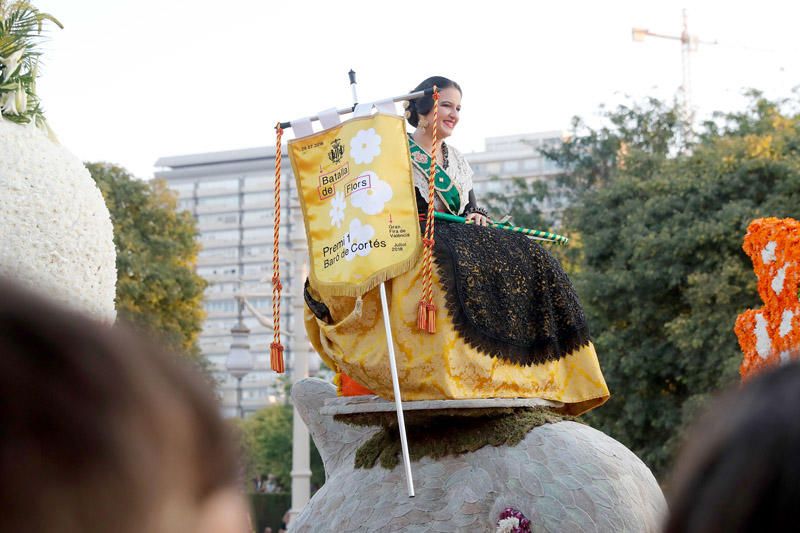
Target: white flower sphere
(56,235)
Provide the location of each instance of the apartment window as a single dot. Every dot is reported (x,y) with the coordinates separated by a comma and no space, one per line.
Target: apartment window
(531,164)
(493,168)
(186,204)
(496,186)
(510,166)
(257,234)
(218,218)
(220,306)
(219,201)
(219,324)
(261,216)
(260,303)
(256,182)
(258,268)
(252,198)
(222,270)
(214,185)
(215,236)
(217,288)
(183,189)
(219,253)
(256,251)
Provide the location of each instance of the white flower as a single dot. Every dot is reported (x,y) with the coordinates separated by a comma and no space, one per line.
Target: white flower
(8,103)
(768,253)
(763,344)
(359,242)
(507,525)
(365,146)
(22,100)
(15,103)
(11,63)
(786,322)
(56,235)
(337,209)
(780,277)
(371,200)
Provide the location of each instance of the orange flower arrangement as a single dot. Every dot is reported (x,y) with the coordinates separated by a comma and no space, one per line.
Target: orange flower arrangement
(770,334)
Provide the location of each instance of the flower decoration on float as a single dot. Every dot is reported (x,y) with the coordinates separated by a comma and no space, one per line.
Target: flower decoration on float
(512,521)
(21,32)
(770,335)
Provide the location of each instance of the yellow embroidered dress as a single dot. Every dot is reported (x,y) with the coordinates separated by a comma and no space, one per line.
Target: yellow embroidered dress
(508,322)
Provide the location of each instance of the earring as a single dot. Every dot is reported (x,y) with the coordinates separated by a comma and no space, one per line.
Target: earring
(423,123)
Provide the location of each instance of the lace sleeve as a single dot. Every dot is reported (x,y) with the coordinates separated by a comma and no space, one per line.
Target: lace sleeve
(461,173)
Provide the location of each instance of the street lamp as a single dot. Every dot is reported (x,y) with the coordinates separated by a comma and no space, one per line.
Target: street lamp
(240,360)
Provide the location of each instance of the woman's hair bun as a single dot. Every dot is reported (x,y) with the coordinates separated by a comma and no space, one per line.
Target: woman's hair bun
(423,106)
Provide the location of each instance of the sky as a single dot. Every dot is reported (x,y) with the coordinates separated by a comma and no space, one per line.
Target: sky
(131,81)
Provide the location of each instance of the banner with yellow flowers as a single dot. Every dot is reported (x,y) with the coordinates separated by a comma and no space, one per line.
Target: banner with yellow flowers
(357,194)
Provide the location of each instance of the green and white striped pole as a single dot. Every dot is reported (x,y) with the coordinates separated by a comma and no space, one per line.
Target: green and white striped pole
(533,233)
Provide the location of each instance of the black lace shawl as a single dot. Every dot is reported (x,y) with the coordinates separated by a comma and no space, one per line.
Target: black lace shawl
(506,295)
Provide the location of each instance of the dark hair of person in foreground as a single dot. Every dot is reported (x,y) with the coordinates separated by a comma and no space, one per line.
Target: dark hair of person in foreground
(740,468)
(101,431)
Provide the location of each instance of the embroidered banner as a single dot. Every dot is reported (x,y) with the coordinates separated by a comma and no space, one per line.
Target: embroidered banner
(356,191)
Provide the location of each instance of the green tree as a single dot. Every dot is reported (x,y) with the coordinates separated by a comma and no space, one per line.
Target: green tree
(520,200)
(157,288)
(663,275)
(267,443)
(592,157)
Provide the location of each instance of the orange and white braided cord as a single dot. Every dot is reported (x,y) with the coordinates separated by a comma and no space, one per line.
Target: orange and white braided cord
(426,313)
(276,348)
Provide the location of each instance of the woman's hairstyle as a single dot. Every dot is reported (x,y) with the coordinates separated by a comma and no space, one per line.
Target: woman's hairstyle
(740,468)
(423,106)
(100,430)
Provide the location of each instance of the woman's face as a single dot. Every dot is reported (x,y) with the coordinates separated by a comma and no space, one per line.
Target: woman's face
(449,110)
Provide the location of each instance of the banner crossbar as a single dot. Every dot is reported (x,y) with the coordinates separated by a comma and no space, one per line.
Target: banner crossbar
(350,109)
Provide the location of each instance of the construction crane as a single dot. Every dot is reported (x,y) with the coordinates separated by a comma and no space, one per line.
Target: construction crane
(689,44)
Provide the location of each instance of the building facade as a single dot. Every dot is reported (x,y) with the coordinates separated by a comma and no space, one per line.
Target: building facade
(518,156)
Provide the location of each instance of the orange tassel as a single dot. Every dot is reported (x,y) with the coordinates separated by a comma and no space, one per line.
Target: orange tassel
(276,357)
(431,308)
(422,316)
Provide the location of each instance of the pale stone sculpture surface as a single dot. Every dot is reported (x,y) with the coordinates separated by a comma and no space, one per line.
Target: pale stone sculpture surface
(56,235)
(564,477)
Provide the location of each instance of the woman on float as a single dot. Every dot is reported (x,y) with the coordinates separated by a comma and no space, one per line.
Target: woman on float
(508,321)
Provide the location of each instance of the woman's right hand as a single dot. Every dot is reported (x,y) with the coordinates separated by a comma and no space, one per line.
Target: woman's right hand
(478,219)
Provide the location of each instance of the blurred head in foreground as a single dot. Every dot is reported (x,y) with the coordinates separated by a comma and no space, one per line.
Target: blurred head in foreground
(101,431)
(740,469)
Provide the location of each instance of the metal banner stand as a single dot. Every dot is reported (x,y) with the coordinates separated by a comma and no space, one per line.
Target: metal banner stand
(384,302)
(401,424)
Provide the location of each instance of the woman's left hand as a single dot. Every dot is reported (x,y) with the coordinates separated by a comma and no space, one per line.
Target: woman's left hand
(478,219)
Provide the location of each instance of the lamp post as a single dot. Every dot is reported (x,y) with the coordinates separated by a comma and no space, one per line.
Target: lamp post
(240,360)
